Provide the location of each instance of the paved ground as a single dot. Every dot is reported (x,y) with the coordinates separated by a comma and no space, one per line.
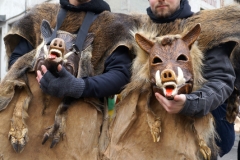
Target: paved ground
(232,155)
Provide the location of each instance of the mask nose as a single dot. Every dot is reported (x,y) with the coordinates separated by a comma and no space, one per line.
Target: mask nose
(168,75)
(59,44)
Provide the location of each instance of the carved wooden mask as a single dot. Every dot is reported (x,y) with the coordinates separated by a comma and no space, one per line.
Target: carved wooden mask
(170,62)
(60,50)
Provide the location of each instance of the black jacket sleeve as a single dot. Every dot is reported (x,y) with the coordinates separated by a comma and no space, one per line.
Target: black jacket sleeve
(220,76)
(116,75)
(22,48)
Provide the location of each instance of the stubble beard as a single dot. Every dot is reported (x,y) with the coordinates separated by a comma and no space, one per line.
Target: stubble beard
(165,12)
(162,14)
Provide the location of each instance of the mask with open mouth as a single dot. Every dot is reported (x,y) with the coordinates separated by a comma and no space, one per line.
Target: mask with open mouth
(60,50)
(171,70)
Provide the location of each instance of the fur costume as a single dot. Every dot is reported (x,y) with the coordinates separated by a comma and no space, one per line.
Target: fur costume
(139,111)
(131,124)
(86,135)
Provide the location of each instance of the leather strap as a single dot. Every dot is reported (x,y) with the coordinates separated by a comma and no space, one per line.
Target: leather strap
(82,32)
(60,18)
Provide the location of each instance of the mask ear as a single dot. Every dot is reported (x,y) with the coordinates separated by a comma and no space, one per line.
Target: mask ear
(143,43)
(46,30)
(192,35)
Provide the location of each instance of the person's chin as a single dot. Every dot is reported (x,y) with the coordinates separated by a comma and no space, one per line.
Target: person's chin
(163,15)
(162,12)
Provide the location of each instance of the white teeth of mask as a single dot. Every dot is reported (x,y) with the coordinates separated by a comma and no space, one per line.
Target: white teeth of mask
(45,50)
(180,78)
(158,79)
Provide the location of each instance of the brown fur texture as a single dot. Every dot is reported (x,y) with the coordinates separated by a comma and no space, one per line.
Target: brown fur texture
(16,77)
(222,19)
(80,140)
(139,115)
(138,111)
(97,55)
(120,22)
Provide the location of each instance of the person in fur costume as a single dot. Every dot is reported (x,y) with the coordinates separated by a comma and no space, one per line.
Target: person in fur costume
(111,65)
(211,97)
(192,99)
(117,65)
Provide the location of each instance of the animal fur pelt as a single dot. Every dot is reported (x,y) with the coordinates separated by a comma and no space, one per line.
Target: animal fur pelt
(113,32)
(29,28)
(137,113)
(88,131)
(80,140)
(144,129)
(221,20)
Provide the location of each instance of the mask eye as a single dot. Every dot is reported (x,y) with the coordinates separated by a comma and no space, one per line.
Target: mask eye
(156,60)
(182,57)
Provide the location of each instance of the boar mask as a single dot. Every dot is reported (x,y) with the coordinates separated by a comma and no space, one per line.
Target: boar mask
(60,50)
(170,63)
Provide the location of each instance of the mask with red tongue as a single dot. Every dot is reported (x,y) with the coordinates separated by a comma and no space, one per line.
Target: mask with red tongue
(59,51)
(170,64)
(169,91)
(52,56)
(170,82)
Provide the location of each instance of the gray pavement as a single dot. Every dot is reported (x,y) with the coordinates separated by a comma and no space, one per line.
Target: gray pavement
(232,155)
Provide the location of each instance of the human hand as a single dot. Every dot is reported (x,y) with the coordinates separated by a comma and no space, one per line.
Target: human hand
(172,106)
(39,74)
(63,85)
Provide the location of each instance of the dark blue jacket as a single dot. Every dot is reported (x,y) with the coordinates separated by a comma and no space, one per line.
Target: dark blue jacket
(22,48)
(220,76)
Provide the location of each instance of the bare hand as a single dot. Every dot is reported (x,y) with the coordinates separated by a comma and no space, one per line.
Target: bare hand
(172,106)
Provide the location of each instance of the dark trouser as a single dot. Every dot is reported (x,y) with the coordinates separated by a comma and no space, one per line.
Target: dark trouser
(238,151)
(224,129)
